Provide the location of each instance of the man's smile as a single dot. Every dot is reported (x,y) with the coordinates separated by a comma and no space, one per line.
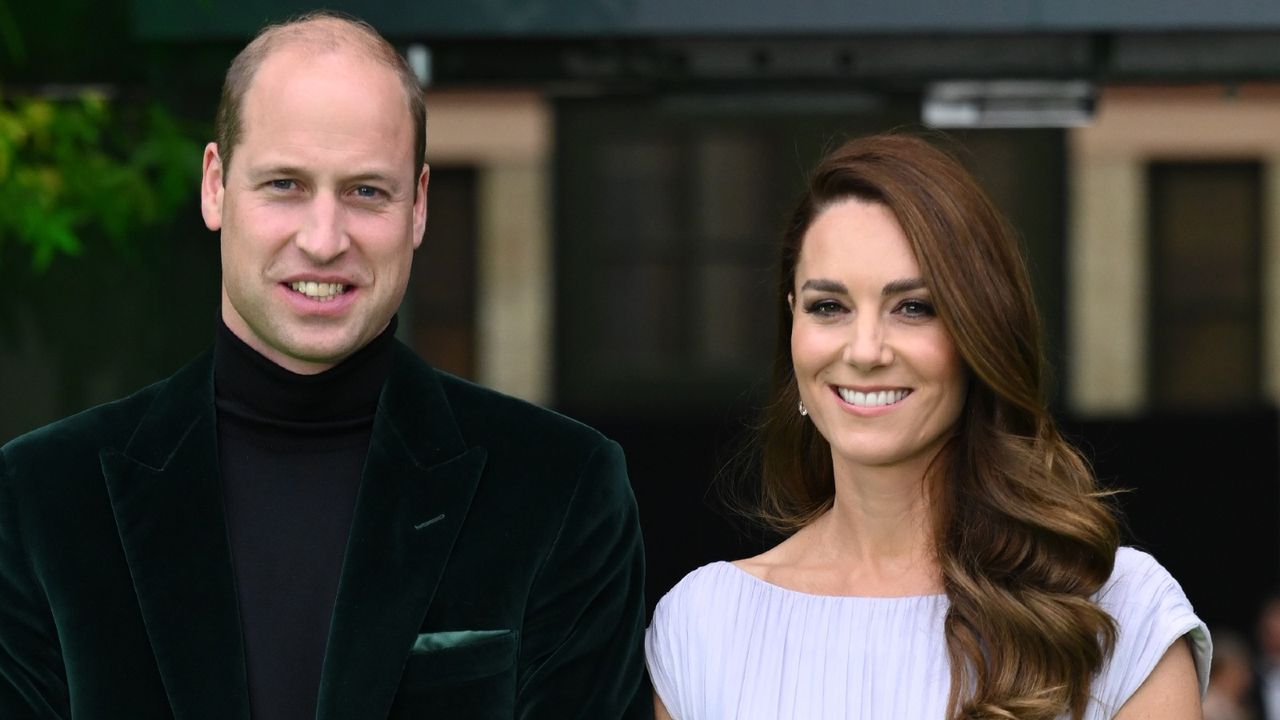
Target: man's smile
(318,290)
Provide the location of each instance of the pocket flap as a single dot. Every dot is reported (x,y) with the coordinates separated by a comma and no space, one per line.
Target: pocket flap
(456,655)
(429,642)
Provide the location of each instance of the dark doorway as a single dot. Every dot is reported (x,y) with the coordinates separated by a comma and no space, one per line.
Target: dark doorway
(442,292)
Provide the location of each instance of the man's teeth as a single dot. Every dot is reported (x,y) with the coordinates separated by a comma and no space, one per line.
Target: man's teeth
(872,399)
(319,291)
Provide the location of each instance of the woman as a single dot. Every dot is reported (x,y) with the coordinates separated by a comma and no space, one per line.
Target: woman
(949,553)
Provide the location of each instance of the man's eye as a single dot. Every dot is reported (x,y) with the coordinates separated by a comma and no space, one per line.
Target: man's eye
(282,184)
(368,192)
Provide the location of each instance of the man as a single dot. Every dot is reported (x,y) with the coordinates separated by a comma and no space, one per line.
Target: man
(309,522)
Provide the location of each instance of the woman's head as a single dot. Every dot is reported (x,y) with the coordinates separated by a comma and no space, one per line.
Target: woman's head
(1018,520)
(874,365)
(973,277)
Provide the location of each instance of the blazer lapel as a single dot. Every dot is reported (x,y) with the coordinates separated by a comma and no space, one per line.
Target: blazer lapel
(417,487)
(167,501)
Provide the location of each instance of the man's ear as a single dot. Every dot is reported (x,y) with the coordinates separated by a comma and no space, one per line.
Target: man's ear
(420,205)
(791,302)
(212,187)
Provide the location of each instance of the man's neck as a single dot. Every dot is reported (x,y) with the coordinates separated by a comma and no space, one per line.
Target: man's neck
(248,383)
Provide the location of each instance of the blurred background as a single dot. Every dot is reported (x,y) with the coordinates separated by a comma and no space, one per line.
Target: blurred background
(609,179)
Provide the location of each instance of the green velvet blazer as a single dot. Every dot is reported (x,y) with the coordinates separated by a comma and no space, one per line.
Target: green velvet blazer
(494,567)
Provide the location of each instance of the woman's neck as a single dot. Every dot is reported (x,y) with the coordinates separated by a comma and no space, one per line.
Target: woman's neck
(878,536)
(876,540)
(882,534)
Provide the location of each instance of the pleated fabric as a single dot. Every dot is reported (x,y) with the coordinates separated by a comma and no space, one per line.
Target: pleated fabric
(725,644)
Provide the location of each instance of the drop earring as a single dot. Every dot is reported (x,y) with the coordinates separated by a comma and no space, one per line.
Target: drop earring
(803,410)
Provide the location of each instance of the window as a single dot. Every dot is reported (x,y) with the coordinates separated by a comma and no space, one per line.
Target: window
(1205,296)
(439,307)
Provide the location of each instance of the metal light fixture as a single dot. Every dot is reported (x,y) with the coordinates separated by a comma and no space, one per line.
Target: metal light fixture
(419,59)
(1008,103)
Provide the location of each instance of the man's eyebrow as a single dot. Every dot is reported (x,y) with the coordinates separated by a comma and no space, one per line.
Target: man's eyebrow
(275,171)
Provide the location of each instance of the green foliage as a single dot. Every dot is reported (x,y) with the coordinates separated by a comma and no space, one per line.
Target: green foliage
(88,170)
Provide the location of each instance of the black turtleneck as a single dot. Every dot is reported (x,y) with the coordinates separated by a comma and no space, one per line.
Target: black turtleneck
(292,448)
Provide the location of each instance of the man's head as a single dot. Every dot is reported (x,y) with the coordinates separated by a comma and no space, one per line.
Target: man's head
(325,201)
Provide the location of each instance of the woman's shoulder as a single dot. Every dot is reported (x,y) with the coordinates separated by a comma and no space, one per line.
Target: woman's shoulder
(700,589)
(712,602)
(686,622)
(1149,606)
(1151,612)
(1139,580)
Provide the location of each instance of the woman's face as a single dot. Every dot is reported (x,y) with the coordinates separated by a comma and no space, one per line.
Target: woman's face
(875,366)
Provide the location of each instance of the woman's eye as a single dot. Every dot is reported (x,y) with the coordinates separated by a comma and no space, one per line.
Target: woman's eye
(916,308)
(824,308)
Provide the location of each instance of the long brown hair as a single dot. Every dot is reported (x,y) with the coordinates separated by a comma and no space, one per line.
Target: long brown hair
(1023,535)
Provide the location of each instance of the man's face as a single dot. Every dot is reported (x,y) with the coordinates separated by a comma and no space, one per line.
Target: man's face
(319,210)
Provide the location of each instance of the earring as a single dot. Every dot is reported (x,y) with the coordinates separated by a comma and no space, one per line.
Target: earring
(803,410)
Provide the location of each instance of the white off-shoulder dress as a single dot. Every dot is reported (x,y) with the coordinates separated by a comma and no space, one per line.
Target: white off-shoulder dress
(725,644)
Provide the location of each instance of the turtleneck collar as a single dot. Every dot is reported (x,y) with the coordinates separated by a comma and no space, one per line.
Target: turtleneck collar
(252,388)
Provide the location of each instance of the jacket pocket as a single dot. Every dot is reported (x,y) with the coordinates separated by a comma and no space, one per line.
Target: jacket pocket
(459,655)
(465,673)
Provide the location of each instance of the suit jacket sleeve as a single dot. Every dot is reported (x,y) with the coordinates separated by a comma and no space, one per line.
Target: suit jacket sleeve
(582,649)
(32,683)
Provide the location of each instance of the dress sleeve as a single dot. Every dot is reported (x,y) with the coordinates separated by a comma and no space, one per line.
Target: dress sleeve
(665,646)
(1151,613)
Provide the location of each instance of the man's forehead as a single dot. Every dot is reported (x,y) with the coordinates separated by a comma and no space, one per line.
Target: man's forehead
(338,75)
(337,99)
(299,60)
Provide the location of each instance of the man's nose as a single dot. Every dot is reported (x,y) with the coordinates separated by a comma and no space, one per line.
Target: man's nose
(866,347)
(323,235)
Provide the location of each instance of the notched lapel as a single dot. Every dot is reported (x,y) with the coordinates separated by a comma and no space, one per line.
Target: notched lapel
(167,502)
(418,483)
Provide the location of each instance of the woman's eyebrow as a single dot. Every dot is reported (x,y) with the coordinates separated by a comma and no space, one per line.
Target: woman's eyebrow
(823,285)
(903,285)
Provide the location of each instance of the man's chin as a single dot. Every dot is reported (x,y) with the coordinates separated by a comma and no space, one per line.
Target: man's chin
(315,356)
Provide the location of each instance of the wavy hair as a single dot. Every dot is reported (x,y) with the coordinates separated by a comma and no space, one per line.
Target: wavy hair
(1022,534)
